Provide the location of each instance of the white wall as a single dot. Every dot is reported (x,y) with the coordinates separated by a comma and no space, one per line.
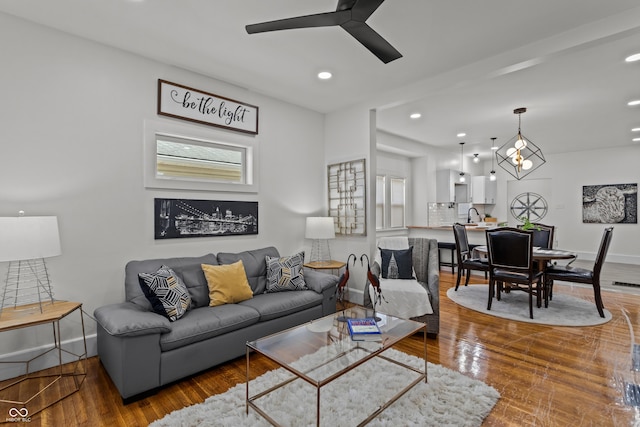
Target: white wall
(425,160)
(350,135)
(71,128)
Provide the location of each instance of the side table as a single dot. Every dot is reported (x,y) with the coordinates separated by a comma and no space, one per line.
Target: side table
(49,386)
(334,266)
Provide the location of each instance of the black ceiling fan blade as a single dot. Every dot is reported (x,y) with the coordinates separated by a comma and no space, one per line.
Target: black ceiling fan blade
(363,9)
(316,20)
(372,41)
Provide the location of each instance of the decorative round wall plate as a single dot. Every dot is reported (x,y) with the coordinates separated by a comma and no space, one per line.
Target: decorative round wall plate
(529,205)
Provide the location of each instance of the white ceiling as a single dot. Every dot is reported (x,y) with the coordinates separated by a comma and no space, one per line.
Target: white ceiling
(466,64)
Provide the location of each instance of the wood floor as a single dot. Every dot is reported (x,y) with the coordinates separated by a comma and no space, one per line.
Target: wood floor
(547,376)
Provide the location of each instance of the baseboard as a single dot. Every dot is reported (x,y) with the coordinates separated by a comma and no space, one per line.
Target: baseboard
(356,296)
(616,258)
(13,365)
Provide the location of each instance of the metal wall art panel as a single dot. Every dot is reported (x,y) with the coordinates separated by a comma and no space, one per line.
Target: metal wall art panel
(347,197)
(177,218)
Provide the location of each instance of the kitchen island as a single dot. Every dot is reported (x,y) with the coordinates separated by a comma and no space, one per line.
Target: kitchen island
(444,233)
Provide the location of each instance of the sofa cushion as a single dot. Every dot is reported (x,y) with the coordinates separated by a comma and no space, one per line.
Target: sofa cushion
(227,283)
(254,265)
(275,305)
(187,268)
(195,281)
(286,273)
(166,293)
(203,323)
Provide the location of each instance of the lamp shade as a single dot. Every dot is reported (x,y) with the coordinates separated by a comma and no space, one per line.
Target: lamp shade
(320,227)
(29,237)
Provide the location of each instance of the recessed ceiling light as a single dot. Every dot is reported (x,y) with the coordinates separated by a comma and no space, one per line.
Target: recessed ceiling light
(633,103)
(461,135)
(633,58)
(415,115)
(324,75)
(635,130)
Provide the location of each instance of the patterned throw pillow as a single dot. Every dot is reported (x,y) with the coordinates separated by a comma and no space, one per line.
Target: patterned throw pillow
(286,273)
(397,264)
(166,293)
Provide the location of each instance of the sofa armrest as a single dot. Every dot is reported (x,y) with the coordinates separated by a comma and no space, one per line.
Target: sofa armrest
(128,320)
(319,282)
(325,285)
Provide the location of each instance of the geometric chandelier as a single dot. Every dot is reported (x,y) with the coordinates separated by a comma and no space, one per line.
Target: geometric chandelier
(519,156)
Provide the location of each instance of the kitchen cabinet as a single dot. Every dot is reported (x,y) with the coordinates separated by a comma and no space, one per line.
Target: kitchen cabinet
(484,191)
(449,189)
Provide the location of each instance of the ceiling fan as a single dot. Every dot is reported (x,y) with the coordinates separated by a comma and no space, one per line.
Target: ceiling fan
(350,15)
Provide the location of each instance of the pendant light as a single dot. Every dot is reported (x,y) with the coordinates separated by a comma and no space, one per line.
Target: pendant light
(462,177)
(519,156)
(492,175)
(476,159)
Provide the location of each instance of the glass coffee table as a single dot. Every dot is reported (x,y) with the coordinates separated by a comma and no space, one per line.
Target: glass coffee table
(322,351)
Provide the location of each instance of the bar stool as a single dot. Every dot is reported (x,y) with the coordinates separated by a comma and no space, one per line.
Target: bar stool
(450,247)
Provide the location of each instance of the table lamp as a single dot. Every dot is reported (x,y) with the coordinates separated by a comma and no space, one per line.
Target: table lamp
(25,241)
(320,229)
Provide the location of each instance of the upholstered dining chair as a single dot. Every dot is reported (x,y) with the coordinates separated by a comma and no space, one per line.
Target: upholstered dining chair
(582,275)
(542,235)
(543,238)
(465,262)
(511,260)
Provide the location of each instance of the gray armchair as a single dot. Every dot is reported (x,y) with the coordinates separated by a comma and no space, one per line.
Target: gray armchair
(425,264)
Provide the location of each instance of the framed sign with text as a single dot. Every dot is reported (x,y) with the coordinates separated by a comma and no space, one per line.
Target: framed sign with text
(194,105)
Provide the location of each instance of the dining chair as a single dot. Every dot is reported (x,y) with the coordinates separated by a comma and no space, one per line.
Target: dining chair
(543,238)
(582,275)
(463,251)
(510,253)
(542,235)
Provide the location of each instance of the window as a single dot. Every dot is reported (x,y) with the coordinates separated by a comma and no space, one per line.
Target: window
(380,197)
(190,158)
(180,158)
(396,218)
(390,202)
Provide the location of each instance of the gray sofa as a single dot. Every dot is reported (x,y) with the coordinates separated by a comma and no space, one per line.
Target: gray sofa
(142,350)
(426,266)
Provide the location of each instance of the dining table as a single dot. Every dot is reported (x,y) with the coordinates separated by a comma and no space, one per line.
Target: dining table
(542,256)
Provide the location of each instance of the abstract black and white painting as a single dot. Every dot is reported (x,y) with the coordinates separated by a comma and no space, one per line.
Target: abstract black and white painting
(176,218)
(610,204)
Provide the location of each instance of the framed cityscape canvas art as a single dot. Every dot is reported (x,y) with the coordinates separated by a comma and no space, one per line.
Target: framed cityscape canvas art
(179,218)
(610,204)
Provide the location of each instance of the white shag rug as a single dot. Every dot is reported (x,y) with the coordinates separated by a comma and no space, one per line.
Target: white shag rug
(448,399)
(563,310)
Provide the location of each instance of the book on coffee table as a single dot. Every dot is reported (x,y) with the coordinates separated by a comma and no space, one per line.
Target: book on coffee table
(364,329)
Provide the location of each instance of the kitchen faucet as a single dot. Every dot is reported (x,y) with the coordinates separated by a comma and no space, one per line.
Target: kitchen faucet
(469,213)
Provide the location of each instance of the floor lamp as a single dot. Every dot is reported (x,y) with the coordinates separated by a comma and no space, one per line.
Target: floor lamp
(25,241)
(320,230)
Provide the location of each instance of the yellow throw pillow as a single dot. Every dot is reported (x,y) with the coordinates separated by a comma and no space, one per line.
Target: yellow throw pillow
(227,283)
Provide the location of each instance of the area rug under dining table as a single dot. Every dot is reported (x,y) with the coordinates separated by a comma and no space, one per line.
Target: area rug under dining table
(563,310)
(448,399)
